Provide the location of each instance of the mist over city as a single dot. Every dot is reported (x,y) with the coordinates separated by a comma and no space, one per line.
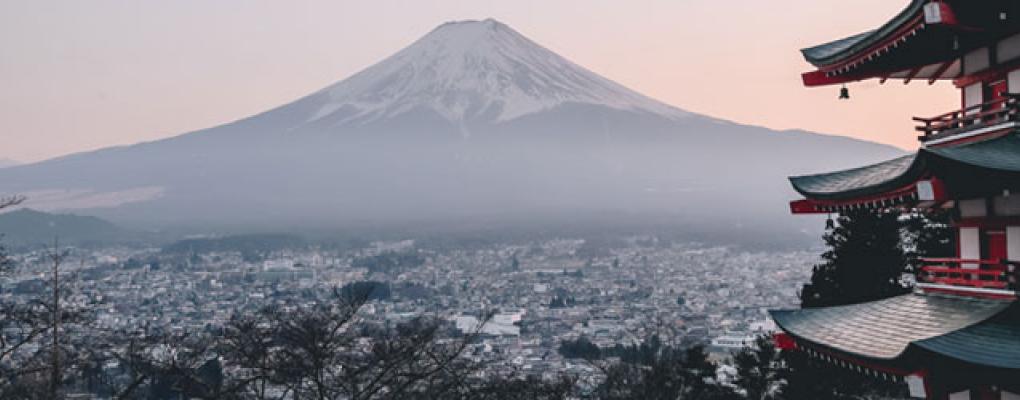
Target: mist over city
(450,200)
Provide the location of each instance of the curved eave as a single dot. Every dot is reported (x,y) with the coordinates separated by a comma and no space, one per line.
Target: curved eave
(884,329)
(864,181)
(992,343)
(998,154)
(956,165)
(843,49)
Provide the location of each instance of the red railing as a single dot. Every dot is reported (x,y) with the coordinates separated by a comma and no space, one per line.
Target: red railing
(969,118)
(985,274)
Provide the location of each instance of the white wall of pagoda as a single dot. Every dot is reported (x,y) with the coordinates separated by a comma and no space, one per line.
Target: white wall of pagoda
(970,245)
(1013,244)
(990,215)
(1007,206)
(1013,81)
(1008,49)
(976,61)
(973,95)
(964,395)
(973,208)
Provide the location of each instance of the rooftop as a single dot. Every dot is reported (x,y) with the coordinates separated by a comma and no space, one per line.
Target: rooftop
(884,329)
(992,157)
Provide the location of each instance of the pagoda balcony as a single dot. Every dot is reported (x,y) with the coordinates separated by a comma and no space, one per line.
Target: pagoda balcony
(973,120)
(977,276)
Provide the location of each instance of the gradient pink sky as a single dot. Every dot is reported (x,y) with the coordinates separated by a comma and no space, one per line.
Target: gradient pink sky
(82,75)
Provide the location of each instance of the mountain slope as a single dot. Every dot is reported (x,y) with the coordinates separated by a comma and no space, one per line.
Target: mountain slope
(474,72)
(471,121)
(30,227)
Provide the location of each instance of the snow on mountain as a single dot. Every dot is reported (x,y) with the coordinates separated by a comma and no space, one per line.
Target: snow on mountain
(473,120)
(476,71)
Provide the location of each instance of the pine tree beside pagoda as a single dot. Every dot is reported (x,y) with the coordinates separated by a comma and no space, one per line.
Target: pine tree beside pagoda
(929,235)
(865,261)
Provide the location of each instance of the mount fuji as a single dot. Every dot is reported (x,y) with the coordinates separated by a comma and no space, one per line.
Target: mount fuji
(474,73)
(472,121)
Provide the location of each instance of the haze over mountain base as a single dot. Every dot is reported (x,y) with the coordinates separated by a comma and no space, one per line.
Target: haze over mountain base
(472,123)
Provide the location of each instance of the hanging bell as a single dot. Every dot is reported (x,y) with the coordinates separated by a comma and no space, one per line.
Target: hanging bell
(829,223)
(844,93)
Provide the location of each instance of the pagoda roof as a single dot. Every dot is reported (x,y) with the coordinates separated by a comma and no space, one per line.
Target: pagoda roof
(884,329)
(925,41)
(1002,154)
(840,50)
(994,342)
(999,155)
(862,181)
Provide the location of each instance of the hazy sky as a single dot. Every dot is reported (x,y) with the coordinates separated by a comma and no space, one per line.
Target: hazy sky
(81,75)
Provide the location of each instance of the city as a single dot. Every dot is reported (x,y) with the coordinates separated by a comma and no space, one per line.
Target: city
(542,293)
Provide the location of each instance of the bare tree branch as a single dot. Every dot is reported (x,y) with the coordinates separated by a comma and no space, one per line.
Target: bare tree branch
(11,201)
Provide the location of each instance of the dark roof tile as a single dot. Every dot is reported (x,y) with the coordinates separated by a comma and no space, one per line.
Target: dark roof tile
(994,342)
(842,49)
(1001,154)
(884,329)
(859,181)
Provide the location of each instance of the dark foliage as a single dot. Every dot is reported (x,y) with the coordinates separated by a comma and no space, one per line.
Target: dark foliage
(389,262)
(759,371)
(527,388)
(374,290)
(865,261)
(669,374)
(581,348)
(929,235)
(807,378)
(763,372)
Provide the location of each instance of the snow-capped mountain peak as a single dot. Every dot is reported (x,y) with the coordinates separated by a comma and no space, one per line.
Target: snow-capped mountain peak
(477,71)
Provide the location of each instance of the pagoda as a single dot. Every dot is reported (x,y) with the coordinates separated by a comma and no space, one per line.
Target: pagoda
(957,335)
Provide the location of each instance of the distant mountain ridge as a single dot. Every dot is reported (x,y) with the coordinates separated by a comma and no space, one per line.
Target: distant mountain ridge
(30,227)
(6,162)
(471,121)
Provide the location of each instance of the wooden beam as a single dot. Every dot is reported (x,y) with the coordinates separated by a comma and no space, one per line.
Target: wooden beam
(995,72)
(911,75)
(821,78)
(938,73)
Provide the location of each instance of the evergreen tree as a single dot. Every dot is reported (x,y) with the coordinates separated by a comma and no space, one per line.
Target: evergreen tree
(668,373)
(807,378)
(759,370)
(865,261)
(929,235)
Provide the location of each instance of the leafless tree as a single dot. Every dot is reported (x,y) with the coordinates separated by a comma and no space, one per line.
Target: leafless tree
(11,201)
(37,356)
(321,350)
(520,388)
(325,351)
(6,202)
